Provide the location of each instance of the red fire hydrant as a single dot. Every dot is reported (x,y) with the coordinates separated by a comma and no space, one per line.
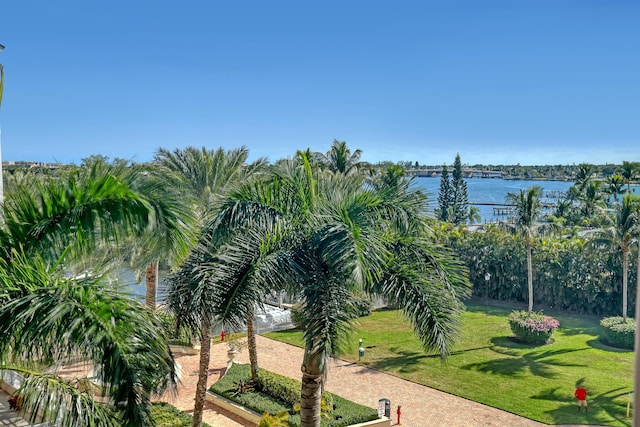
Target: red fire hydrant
(222,335)
(399,412)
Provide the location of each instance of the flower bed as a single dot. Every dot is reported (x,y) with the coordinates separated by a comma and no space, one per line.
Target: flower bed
(532,328)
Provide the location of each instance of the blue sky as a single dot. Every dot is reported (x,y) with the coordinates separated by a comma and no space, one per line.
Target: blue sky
(500,82)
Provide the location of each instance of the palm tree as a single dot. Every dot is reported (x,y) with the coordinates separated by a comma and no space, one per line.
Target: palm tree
(619,232)
(527,209)
(206,177)
(48,318)
(591,200)
(202,177)
(583,176)
(615,184)
(339,159)
(630,172)
(330,235)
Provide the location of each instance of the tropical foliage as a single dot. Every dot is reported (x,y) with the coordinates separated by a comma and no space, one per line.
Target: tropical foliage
(569,275)
(51,316)
(327,237)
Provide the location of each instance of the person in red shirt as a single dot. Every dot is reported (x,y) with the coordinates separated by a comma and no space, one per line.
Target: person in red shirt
(581,395)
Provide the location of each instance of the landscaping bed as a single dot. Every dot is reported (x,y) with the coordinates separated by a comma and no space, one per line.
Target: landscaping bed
(167,415)
(275,393)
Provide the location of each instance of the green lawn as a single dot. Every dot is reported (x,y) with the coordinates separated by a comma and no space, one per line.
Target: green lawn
(487,366)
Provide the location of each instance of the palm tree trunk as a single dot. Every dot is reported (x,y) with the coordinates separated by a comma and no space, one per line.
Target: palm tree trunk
(205,355)
(530,277)
(625,273)
(311,393)
(151,278)
(251,343)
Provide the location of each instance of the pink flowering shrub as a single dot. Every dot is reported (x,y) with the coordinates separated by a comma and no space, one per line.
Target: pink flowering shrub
(532,328)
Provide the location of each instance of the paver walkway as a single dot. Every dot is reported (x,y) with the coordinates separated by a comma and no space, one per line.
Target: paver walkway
(421,406)
(7,416)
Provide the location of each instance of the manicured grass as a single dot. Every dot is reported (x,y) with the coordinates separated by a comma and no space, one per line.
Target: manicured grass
(486,366)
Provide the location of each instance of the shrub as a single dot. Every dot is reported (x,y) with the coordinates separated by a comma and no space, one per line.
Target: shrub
(167,415)
(362,305)
(243,386)
(284,388)
(532,328)
(619,333)
(278,420)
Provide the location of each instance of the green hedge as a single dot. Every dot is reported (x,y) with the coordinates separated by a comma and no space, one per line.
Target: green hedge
(166,415)
(619,333)
(566,276)
(344,412)
(283,388)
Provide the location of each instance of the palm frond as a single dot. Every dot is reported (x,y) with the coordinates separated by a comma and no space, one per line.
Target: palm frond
(67,318)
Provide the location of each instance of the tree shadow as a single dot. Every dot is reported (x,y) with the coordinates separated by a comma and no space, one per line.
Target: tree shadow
(597,343)
(404,362)
(542,364)
(603,409)
(407,361)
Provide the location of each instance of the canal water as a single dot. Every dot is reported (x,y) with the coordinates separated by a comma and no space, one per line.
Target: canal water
(486,193)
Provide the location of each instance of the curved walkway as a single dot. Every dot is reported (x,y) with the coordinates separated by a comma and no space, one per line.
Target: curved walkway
(421,406)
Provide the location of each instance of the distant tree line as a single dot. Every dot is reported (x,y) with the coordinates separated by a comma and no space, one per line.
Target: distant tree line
(561,172)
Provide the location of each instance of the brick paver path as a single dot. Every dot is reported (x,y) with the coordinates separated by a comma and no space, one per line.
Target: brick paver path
(421,406)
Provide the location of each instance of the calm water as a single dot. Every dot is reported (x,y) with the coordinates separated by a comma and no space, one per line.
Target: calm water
(493,191)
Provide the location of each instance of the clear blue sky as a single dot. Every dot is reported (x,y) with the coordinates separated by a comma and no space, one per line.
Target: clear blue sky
(500,82)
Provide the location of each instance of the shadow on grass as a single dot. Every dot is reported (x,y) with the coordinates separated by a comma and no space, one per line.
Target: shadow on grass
(403,362)
(603,407)
(597,343)
(407,361)
(517,363)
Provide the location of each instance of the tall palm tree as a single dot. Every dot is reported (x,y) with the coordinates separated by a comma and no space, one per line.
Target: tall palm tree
(336,235)
(620,230)
(527,208)
(373,242)
(203,177)
(49,317)
(206,177)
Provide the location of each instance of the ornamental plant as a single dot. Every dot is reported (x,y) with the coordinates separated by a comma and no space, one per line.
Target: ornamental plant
(619,332)
(532,328)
